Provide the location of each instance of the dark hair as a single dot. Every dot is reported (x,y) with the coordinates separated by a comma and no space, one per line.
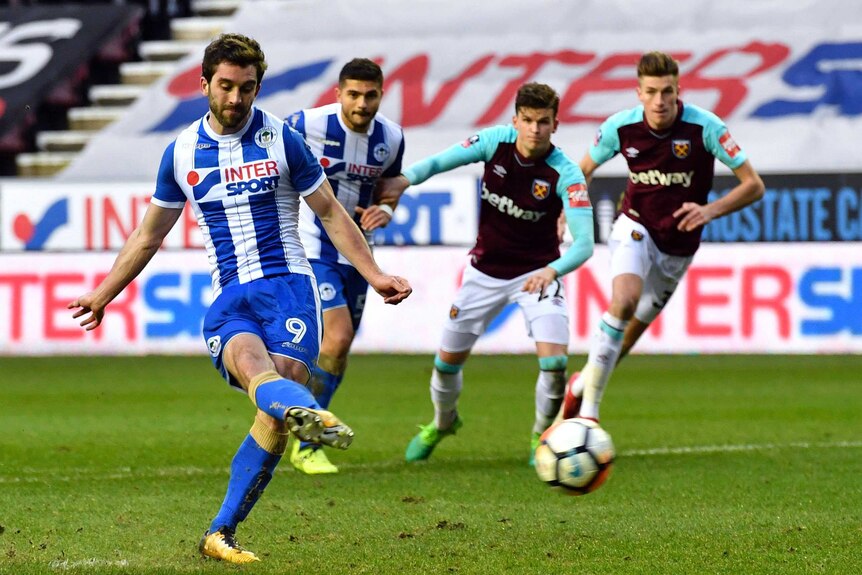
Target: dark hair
(235,49)
(361,69)
(657,64)
(537,96)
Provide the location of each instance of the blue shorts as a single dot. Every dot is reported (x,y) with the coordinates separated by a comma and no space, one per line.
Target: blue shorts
(341,285)
(283,311)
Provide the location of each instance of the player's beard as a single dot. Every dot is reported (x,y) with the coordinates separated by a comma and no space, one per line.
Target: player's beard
(230,117)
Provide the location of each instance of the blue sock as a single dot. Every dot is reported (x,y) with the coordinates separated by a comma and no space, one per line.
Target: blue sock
(329,383)
(250,472)
(274,397)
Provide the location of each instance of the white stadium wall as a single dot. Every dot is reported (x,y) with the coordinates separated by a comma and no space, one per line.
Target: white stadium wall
(786,77)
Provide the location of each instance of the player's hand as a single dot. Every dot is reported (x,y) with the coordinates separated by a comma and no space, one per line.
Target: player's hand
(693,216)
(84,305)
(389,189)
(394,289)
(373,217)
(539,281)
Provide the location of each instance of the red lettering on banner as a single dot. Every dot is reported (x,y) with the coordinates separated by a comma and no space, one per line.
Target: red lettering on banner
(106,219)
(54,304)
(113,220)
(697,300)
(412,75)
(589,293)
(88,223)
(120,307)
(732,89)
(776,302)
(613,73)
(531,64)
(16,308)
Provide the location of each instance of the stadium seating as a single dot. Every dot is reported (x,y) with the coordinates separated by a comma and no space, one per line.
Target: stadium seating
(152,52)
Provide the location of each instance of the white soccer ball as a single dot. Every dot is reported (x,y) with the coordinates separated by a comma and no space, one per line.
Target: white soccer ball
(575,455)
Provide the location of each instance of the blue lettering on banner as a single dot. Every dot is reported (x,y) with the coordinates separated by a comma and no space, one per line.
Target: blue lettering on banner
(185,306)
(819,214)
(848,218)
(401,232)
(835,69)
(817,289)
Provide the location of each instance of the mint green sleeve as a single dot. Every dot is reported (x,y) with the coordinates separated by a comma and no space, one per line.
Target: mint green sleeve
(580,223)
(572,190)
(477,148)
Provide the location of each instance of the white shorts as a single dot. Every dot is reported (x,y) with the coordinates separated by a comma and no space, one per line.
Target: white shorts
(634,252)
(481,297)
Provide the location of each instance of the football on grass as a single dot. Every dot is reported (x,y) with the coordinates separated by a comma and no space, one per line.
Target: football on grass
(575,455)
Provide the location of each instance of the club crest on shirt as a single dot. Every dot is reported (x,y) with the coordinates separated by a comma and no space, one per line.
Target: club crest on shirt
(214,345)
(637,236)
(381,152)
(681,148)
(265,137)
(327,291)
(541,189)
(470,141)
(453,312)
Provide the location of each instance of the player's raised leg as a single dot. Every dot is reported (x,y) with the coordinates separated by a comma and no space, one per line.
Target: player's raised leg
(608,341)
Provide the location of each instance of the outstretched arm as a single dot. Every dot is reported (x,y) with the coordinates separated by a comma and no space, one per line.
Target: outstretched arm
(137,252)
(749,190)
(580,222)
(347,238)
(588,165)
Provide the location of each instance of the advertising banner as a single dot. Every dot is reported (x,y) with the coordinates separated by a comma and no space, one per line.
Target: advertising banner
(816,207)
(785,78)
(41,47)
(766,298)
(441,211)
(100,216)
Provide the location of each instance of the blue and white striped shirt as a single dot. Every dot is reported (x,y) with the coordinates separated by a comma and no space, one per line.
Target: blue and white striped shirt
(352,162)
(244,189)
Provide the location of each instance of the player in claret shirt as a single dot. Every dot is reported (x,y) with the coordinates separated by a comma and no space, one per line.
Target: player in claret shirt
(244,171)
(670,148)
(527,184)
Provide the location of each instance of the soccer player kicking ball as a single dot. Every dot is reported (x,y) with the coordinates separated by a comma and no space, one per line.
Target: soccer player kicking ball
(527,184)
(671,149)
(356,146)
(244,171)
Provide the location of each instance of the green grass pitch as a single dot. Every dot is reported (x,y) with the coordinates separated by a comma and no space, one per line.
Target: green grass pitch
(726,464)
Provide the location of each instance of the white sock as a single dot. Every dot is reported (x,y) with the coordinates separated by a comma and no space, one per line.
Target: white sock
(550,386)
(604,351)
(445,390)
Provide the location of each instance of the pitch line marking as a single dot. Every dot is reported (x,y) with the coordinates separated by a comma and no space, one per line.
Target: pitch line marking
(32,475)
